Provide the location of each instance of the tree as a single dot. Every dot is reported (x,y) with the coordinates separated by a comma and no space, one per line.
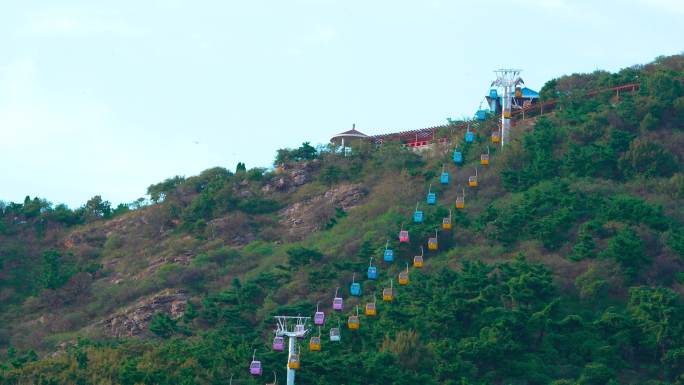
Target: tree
(241,168)
(627,248)
(163,325)
(97,208)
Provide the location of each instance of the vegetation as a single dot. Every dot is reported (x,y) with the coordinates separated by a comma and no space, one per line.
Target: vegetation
(566,267)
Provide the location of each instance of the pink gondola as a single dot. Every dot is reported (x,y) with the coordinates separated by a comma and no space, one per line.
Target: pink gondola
(278,343)
(319,317)
(255,366)
(337,302)
(403,236)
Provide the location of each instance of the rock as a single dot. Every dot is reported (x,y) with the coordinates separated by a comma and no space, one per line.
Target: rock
(301,218)
(134,320)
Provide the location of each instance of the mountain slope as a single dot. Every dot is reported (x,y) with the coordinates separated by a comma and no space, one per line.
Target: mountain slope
(564,267)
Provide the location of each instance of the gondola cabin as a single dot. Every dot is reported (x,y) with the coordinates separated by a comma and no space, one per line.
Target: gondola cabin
(458,157)
(446,223)
(371,310)
(444,178)
(472,181)
(293,362)
(484,159)
(496,137)
(388,256)
(338,304)
(372,272)
(355,289)
(481,114)
(278,343)
(315,344)
(469,137)
(404,278)
(460,202)
(418,216)
(388,294)
(431,198)
(319,318)
(335,334)
(418,261)
(433,244)
(403,236)
(299,330)
(255,368)
(353,322)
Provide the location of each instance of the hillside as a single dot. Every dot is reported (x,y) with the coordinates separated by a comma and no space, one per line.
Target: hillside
(565,266)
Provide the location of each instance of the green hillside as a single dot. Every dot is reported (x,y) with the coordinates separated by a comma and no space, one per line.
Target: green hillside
(564,267)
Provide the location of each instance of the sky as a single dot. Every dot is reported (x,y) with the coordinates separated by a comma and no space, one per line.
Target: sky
(108,97)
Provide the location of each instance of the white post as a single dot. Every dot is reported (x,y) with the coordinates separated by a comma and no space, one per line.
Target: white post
(291,350)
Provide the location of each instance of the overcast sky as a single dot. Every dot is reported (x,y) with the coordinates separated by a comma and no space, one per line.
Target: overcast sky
(108,97)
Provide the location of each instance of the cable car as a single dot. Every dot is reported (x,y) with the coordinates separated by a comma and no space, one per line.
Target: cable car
(319,317)
(518,92)
(388,293)
(353,322)
(418,215)
(431,197)
(507,114)
(293,361)
(469,135)
(418,259)
(278,343)
(371,309)
(484,158)
(403,236)
(446,222)
(458,157)
(337,302)
(315,342)
(404,277)
(472,180)
(496,136)
(481,114)
(255,366)
(388,255)
(299,330)
(460,201)
(355,288)
(335,333)
(433,243)
(372,270)
(444,176)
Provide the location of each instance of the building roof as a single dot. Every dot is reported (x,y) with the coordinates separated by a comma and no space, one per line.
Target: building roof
(351,134)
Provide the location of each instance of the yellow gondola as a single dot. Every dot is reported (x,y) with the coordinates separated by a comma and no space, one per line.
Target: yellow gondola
(460,200)
(496,137)
(315,342)
(404,277)
(371,309)
(354,322)
(472,180)
(484,158)
(293,361)
(418,259)
(433,242)
(446,222)
(388,293)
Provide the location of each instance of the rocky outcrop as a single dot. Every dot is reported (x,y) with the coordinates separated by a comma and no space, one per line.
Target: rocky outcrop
(134,320)
(301,218)
(292,177)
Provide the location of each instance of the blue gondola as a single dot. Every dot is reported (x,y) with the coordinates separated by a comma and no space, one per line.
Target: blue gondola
(355,288)
(444,178)
(372,270)
(431,197)
(481,115)
(389,254)
(469,137)
(458,157)
(418,216)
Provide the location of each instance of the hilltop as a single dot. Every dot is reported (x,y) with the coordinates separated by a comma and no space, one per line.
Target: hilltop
(564,267)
